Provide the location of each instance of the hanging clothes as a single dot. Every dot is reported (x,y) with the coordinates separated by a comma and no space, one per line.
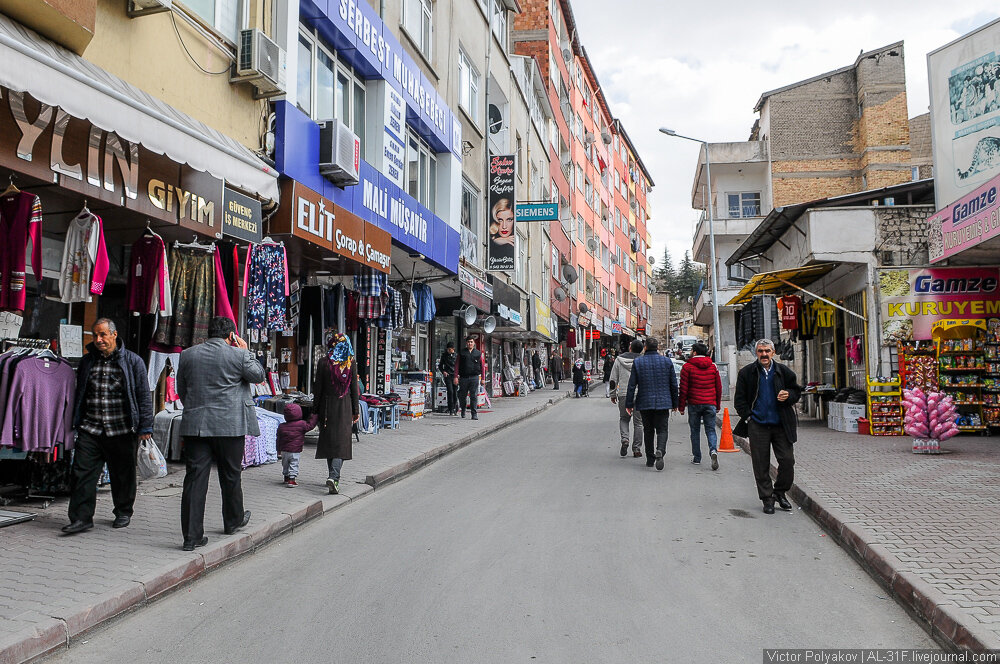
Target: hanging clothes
(310,313)
(193,289)
(20,223)
(223,307)
(265,285)
(148,290)
(39,407)
(370,284)
(426,308)
(84,254)
(351,311)
(334,311)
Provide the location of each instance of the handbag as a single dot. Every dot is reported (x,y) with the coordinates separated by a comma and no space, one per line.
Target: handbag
(150,461)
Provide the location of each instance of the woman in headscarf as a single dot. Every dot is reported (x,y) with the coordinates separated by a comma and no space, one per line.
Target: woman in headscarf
(335,398)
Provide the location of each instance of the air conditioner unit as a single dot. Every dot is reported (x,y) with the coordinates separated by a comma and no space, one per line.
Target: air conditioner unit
(137,8)
(339,153)
(260,61)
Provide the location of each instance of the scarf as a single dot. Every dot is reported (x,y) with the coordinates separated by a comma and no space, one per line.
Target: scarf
(340,355)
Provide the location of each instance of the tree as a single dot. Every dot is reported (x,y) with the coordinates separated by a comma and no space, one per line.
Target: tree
(665,273)
(690,277)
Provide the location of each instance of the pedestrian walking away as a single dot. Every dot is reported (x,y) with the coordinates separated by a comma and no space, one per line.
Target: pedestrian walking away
(113,410)
(555,368)
(766,394)
(621,371)
(652,390)
(536,366)
(580,383)
(470,366)
(336,396)
(213,382)
(291,439)
(701,393)
(447,366)
(609,363)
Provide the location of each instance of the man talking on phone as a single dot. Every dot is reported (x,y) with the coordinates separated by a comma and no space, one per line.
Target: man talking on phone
(213,382)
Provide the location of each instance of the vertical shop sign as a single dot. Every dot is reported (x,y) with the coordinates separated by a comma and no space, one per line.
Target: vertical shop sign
(383,361)
(393,148)
(241,216)
(500,256)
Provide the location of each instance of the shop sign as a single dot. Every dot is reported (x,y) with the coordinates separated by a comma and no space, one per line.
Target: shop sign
(914,300)
(507,313)
(310,216)
(475,298)
(616,327)
(501,248)
(584,319)
(543,318)
(969,221)
(481,286)
(573,320)
(537,212)
(394,147)
(592,334)
(47,143)
(241,216)
(641,328)
(608,324)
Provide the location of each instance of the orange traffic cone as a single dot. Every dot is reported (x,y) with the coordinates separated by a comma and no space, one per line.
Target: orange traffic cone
(727,434)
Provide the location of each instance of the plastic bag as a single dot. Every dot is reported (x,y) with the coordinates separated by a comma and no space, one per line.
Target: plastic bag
(150,461)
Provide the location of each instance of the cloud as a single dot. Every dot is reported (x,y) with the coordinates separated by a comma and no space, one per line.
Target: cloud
(699,69)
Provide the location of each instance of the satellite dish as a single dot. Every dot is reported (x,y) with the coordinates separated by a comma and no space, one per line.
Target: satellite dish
(591,245)
(567,55)
(559,294)
(569,273)
(606,137)
(495,119)
(584,308)
(635,301)
(651,260)
(467,313)
(489,324)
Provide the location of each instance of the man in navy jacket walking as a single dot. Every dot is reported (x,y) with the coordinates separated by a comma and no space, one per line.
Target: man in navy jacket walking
(654,375)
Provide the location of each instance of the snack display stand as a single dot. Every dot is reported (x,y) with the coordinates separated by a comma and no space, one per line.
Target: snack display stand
(962,369)
(991,377)
(885,408)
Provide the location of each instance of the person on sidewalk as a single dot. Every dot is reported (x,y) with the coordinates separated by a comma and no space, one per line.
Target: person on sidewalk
(470,366)
(213,382)
(447,366)
(579,379)
(536,367)
(701,393)
(621,371)
(291,439)
(336,394)
(766,394)
(609,363)
(555,367)
(654,377)
(113,411)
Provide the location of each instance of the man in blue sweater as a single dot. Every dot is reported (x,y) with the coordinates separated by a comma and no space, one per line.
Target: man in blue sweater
(766,394)
(656,379)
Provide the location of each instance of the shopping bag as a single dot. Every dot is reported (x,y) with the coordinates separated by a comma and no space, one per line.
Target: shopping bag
(150,461)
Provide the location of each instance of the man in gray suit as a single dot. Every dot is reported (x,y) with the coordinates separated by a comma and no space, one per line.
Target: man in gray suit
(213,382)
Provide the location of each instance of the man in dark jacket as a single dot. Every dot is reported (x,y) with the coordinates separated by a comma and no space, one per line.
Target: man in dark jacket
(701,393)
(766,394)
(113,410)
(555,367)
(447,366)
(536,366)
(470,366)
(653,374)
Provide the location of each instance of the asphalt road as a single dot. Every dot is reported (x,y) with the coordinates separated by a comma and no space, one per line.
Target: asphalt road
(538,544)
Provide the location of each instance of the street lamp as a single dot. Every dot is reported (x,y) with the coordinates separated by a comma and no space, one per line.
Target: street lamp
(711,239)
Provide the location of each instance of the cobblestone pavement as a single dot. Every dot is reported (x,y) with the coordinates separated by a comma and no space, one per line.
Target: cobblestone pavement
(55,587)
(927,527)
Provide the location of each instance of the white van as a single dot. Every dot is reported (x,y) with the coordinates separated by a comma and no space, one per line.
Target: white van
(685,341)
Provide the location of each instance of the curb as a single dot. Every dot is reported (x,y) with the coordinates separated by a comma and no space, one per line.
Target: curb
(44,637)
(939,616)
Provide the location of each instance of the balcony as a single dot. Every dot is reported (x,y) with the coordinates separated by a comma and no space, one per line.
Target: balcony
(745,162)
(727,232)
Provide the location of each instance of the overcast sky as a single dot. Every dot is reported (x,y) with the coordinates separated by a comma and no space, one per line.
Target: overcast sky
(700,67)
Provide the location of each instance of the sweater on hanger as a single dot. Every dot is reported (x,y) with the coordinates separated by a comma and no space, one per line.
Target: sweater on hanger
(20,223)
(85,260)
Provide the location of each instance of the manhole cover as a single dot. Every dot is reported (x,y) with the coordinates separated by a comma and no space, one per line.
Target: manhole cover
(743,514)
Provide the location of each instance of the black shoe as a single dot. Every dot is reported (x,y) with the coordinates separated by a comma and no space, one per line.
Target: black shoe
(475,416)
(779,497)
(769,506)
(625,448)
(715,459)
(189,545)
(121,521)
(659,459)
(463,414)
(77,527)
(649,463)
(246,520)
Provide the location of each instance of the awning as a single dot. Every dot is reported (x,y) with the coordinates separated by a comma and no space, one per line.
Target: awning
(58,77)
(766,283)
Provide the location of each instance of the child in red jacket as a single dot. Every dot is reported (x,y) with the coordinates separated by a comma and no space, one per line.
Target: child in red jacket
(291,438)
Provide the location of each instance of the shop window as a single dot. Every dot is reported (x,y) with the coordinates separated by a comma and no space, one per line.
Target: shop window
(468,85)
(418,20)
(222,15)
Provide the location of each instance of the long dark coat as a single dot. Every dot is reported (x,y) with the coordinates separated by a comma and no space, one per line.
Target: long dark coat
(336,414)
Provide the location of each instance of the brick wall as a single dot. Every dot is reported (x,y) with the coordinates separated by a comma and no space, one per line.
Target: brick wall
(921,154)
(534,15)
(902,233)
(788,190)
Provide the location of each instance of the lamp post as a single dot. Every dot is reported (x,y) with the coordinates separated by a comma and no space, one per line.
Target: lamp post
(711,239)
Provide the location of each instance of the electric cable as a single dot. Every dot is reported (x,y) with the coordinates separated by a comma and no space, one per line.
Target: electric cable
(173,21)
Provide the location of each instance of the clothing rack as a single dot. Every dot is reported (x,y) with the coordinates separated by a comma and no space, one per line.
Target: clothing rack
(194,244)
(37,344)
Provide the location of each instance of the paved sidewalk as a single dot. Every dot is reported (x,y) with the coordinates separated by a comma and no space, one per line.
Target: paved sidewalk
(926,527)
(54,588)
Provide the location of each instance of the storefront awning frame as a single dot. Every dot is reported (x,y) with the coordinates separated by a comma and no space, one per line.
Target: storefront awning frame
(768,283)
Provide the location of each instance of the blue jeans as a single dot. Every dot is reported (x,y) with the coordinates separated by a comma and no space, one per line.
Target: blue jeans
(698,415)
(334,466)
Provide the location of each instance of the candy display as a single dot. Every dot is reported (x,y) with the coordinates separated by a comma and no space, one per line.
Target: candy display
(919,370)
(931,415)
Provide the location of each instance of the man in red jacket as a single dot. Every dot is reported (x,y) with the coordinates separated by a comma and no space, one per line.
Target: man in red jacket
(701,392)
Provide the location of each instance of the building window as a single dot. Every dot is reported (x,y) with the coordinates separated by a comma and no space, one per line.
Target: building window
(421,171)
(328,88)
(470,222)
(745,204)
(580,232)
(418,20)
(498,21)
(223,15)
(468,85)
(303,84)
(589,191)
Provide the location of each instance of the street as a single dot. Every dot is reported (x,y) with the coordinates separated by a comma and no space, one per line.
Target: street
(537,544)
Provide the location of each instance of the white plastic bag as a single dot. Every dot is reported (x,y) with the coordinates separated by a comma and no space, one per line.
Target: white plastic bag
(150,461)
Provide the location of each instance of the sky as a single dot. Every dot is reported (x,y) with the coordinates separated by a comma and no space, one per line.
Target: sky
(700,67)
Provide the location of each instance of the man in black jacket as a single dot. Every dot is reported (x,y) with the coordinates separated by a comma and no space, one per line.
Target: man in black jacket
(113,410)
(536,366)
(469,367)
(555,367)
(447,366)
(766,394)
